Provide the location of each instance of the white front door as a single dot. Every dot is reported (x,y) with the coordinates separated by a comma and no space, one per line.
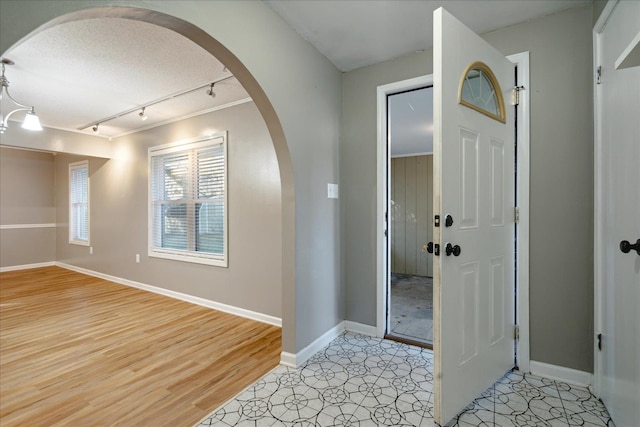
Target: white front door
(474,184)
(617,375)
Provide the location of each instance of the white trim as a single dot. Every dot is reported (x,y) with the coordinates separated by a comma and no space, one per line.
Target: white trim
(360,328)
(298,359)
(382,268)
(27,266)
(522,279)
(288,359)
(237,311)
(598,205)
(426,153)
(560,373)
(21,226)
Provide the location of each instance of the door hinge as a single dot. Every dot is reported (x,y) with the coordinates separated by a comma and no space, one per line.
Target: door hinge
(516,215)
(515,95)
(599,74)
(516,332)
(599,342)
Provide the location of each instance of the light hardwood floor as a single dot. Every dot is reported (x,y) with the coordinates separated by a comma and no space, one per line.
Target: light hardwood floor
(81,351)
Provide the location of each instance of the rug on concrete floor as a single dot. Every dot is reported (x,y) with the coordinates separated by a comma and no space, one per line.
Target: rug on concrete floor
(412,306)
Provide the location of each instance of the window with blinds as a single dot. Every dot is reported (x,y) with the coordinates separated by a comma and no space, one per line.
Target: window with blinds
(79,203)
(188,201)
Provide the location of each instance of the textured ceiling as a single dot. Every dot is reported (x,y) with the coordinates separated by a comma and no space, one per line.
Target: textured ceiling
(78,73)
(84,71)
(357,33)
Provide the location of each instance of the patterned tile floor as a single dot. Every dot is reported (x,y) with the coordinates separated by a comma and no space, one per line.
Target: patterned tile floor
(364,381)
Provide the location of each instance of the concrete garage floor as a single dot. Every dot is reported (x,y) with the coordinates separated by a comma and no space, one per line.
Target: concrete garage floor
(412,307)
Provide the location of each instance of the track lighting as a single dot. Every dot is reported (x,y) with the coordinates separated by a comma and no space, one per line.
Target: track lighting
(210,92)
(141,111)
(31,120)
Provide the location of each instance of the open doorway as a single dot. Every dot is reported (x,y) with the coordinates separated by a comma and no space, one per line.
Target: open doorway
(410,206)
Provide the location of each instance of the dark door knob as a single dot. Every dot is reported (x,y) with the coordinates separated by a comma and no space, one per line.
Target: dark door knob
(430,247)
(452,249)
(627,247)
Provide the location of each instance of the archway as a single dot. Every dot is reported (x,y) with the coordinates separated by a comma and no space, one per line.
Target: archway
(244,76)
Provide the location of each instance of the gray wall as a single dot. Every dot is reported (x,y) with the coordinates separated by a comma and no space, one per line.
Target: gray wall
(26,197)
(298,91)
(561,244)
(411,215)
(119,212)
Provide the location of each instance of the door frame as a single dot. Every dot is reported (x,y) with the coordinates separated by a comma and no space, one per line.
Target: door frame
(522,185)
(600,183)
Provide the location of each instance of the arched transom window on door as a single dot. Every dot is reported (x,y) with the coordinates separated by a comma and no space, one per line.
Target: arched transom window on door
(479,90)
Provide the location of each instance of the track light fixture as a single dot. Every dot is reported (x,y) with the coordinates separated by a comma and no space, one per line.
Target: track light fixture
(31,120)
(141,111)
(210,92)
(142,115)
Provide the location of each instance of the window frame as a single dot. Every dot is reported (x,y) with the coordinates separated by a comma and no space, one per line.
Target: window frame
(481,66)
(190,255)
(84,164)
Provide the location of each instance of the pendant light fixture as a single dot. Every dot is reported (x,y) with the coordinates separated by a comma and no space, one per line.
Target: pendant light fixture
(31,120)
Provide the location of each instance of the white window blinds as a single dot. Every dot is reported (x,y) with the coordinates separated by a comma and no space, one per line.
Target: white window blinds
(187,209)
(79,203)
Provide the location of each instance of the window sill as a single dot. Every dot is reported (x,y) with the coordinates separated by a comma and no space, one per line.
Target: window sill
(216,262)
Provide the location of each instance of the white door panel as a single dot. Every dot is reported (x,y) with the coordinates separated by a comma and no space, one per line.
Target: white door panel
(618,218)
(474,183)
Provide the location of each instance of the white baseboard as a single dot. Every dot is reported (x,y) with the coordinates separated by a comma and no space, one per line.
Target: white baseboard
(27,266)
(298,359)
(248,314)
(288,359)
(560,373)
(360,328)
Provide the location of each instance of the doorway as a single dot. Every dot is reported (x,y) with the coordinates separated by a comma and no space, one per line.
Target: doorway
(410,206)
(383,265)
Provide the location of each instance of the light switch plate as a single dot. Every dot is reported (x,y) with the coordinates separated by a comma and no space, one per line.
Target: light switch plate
(332,191)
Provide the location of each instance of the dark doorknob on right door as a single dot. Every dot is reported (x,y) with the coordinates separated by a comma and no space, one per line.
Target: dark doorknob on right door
(626,246)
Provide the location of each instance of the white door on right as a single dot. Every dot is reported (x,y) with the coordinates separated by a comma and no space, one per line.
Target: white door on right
(617,376)
(474,178)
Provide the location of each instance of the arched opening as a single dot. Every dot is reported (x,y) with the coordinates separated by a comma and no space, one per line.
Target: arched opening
(264,106)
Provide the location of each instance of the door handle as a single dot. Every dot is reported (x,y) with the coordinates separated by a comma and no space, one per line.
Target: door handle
(627,247)
(430,247)
(452,249)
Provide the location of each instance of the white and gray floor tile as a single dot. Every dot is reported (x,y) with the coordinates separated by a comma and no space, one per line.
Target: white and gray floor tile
(364,381)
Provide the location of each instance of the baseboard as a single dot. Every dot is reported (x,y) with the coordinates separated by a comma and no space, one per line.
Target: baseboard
(560,373)
(248,314)
(288,359)
(27,266)
(361,328)
(298,359)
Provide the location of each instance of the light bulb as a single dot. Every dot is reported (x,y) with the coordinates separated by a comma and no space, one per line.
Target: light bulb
(31,121)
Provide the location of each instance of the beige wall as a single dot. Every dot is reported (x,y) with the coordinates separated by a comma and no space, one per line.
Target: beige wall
(561,220)
(298,92)
(118,218)
(26,197)
(411,213)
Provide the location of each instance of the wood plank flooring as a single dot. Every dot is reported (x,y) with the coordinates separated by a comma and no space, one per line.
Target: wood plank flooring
(81,351)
